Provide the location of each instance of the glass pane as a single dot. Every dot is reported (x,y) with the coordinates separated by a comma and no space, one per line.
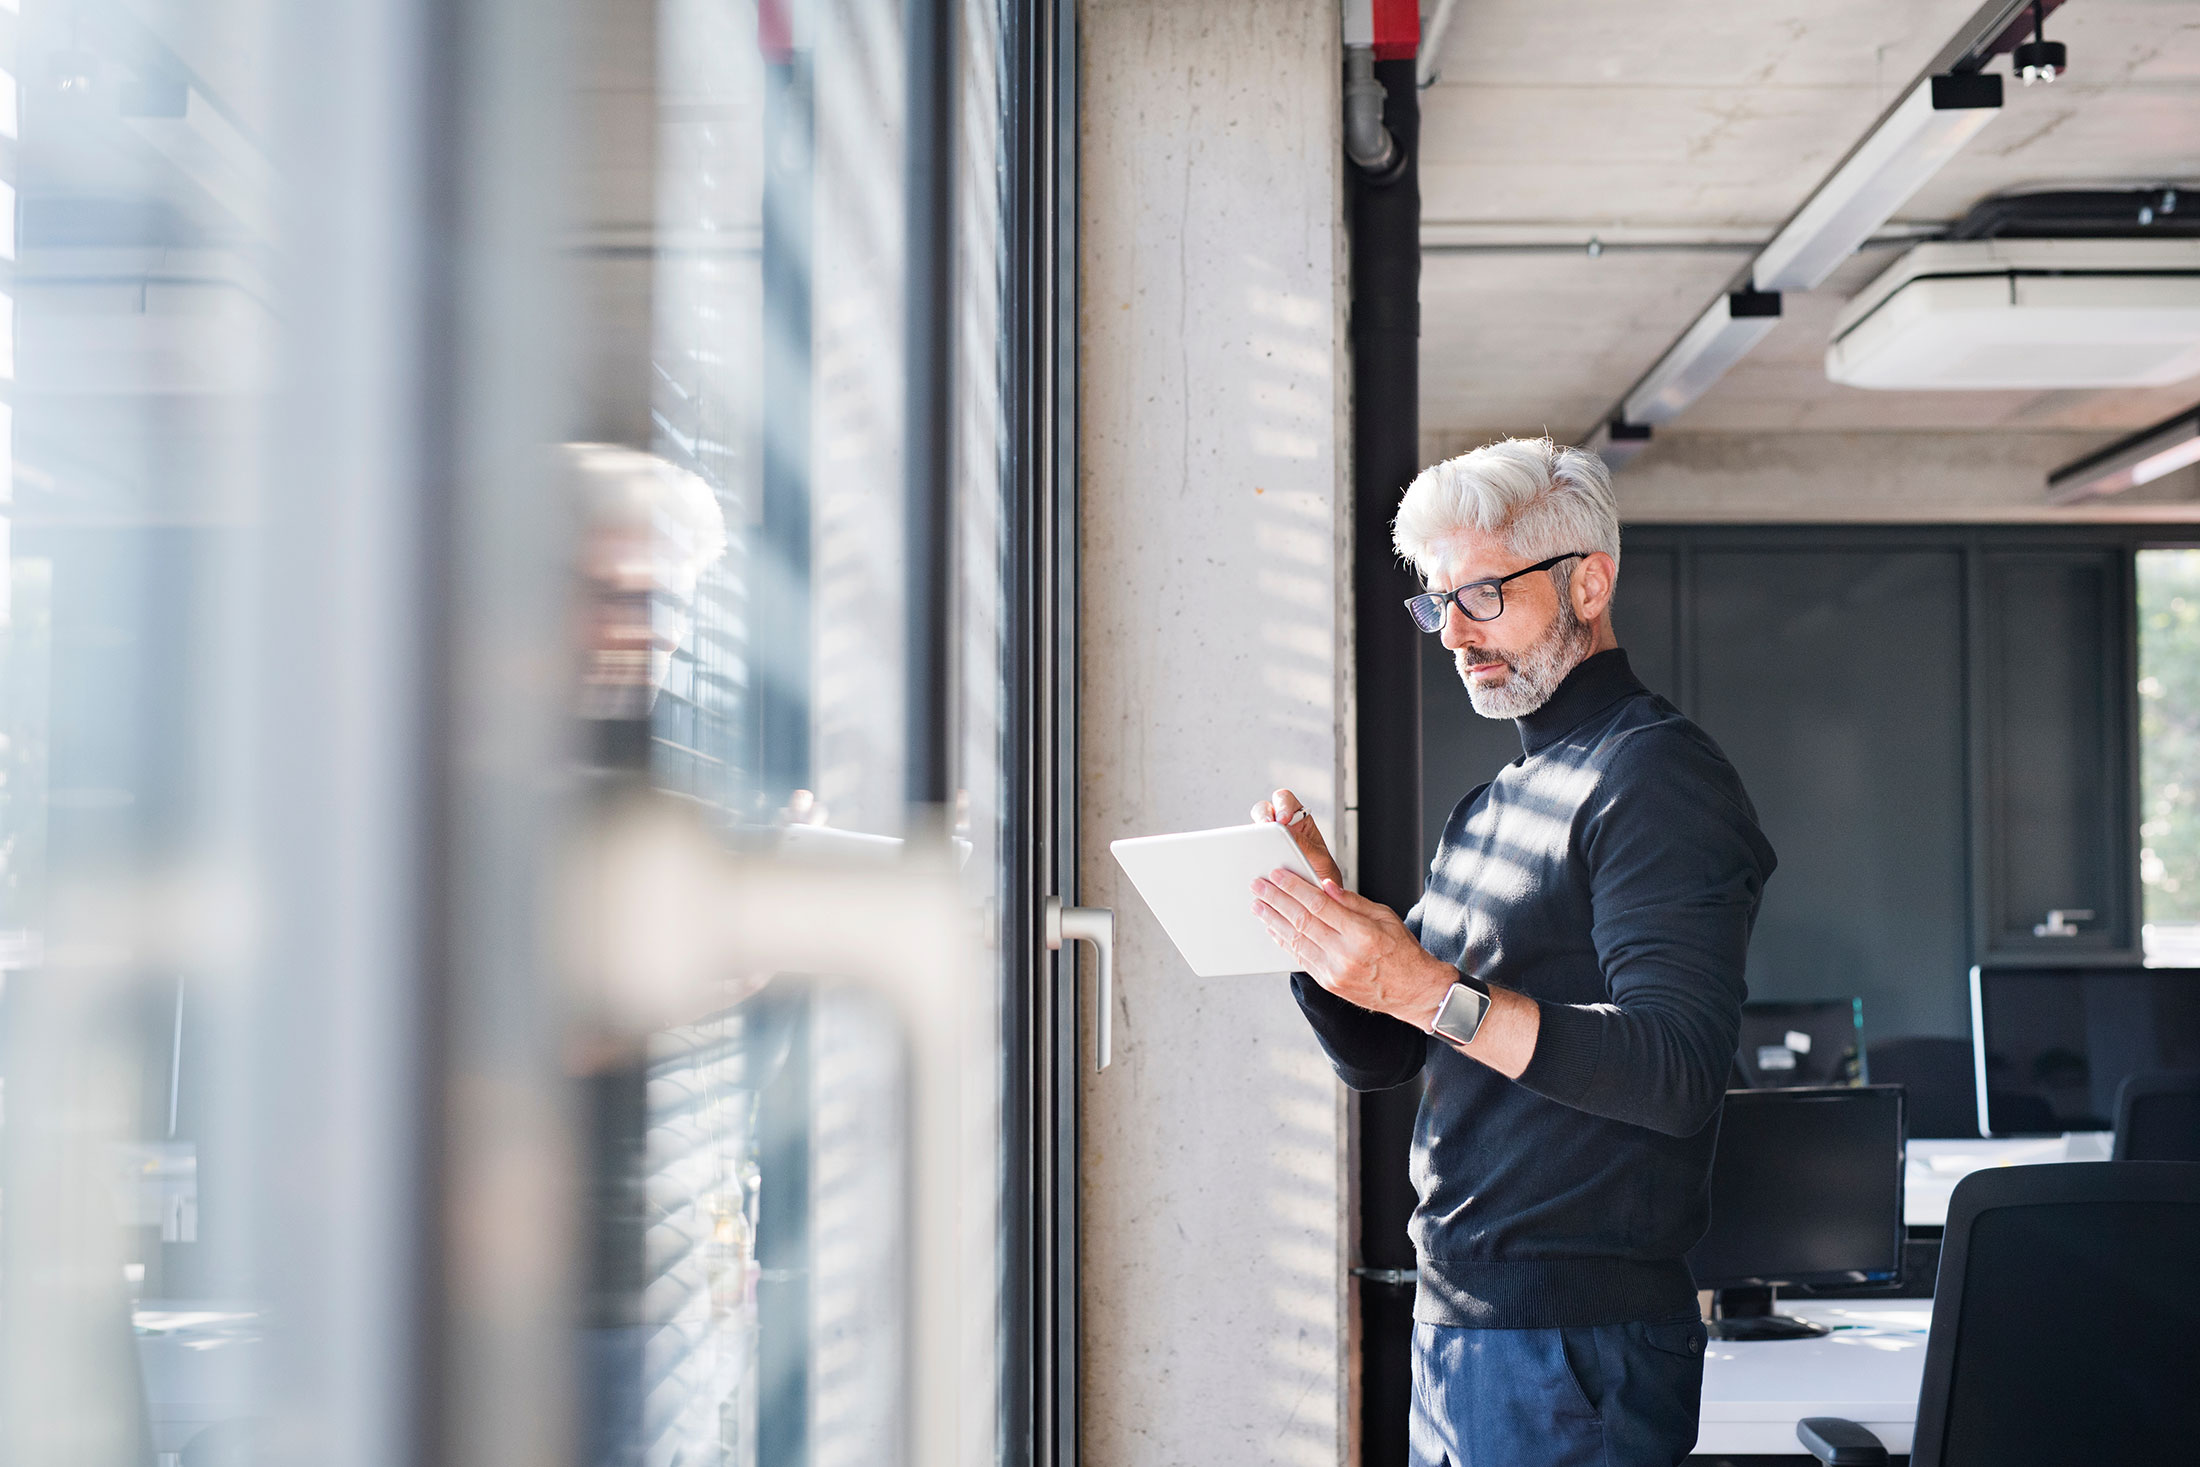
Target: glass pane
(355,983)
(138,304)
(2169,753)
(748,1232)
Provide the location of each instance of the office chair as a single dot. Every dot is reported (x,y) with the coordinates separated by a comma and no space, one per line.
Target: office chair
(1937,1073)
(2158,1116)
(2066,1325)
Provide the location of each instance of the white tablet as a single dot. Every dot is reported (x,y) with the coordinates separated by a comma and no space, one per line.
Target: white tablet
(1201,887)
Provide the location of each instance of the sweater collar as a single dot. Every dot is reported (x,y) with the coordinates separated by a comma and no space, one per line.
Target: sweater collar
(1595,684)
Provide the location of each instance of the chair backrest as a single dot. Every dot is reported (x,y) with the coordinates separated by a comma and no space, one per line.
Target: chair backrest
(1940,1078)
(2066,1322)
(2158,1116)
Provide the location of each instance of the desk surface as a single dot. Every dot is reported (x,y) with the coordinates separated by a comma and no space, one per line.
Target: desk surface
(1754,1391)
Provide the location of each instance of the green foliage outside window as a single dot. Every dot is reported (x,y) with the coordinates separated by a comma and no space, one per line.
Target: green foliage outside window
(2169,733)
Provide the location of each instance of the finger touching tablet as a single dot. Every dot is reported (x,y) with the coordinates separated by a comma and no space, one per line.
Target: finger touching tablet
(1197,884)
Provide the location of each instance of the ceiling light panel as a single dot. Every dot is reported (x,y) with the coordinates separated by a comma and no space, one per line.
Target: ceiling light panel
(1722,336)
(2126,464)
(1913,141)
(1618,443)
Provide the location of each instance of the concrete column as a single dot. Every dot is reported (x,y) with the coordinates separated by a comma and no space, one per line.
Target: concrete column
(1215,575)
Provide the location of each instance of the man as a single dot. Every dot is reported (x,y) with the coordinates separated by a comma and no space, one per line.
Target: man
(648,532)
(1569,988)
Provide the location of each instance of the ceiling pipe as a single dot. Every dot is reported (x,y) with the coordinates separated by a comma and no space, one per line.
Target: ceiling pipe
(1425,70)
(1374,30)
(1366,141)
(2126,213)
(1385,241)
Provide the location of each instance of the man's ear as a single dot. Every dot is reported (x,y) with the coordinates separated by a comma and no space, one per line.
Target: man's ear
(1591,586)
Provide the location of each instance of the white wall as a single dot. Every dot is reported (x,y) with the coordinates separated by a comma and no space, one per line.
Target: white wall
(1214,577)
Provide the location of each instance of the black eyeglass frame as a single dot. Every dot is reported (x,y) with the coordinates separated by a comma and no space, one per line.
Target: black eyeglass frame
(1435,601)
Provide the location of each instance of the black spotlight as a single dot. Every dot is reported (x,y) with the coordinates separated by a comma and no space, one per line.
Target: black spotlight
(2039,59)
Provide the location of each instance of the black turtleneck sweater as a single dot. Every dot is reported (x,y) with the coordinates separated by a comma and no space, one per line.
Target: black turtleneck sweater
(1610,873)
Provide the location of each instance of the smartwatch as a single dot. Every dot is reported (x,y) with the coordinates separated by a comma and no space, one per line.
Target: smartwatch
(1459,1016)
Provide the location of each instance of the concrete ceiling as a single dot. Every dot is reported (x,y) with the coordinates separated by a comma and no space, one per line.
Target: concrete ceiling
(1680,134)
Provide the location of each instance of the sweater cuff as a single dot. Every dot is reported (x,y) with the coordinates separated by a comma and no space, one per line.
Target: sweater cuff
(1321,1004)
(1568,1043)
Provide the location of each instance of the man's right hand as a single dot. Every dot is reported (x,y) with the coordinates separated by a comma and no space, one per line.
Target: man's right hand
(1283,808)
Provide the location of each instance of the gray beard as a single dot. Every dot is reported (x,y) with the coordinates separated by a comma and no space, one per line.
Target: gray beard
(1537,672)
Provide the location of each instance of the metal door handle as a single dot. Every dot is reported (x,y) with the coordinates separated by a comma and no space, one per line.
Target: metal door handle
(1095,925)
(2062,922)
(661,925)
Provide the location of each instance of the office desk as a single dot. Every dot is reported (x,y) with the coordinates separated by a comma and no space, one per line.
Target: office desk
(1934,1167)
(1754,1391)
(1868,1369)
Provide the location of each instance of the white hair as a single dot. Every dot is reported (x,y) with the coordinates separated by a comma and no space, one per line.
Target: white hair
(1540,499)
(626,489)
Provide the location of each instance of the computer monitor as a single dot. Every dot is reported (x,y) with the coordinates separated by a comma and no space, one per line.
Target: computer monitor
(1806,1188)
(2050,1045)
(1818,1042)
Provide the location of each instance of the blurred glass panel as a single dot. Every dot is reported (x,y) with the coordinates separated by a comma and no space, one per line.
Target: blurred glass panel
(325,650)
(141,314)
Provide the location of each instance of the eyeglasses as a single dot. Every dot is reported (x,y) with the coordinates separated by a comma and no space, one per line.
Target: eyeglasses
(1476,600)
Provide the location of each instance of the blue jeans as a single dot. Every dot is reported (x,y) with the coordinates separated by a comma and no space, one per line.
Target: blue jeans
(1608,1395)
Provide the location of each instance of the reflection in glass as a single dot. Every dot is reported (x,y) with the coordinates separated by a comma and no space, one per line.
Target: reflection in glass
(744,1164)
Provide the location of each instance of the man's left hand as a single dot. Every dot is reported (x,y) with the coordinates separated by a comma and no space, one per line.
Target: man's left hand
(1355,948)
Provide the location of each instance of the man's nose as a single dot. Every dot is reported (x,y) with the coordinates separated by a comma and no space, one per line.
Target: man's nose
(1456,627)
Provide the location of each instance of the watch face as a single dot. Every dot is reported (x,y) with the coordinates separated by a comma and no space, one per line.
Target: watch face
(1461,1014)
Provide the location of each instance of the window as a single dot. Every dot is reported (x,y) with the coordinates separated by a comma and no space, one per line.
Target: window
(2169,753)
(430,466)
